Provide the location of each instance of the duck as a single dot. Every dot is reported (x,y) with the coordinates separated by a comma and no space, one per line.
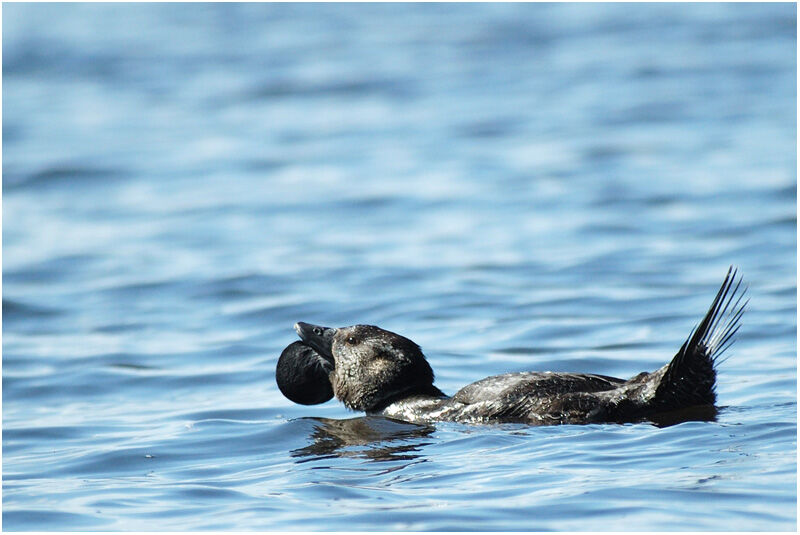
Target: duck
(380,372)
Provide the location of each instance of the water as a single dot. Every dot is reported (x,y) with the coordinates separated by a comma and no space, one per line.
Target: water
(514,187)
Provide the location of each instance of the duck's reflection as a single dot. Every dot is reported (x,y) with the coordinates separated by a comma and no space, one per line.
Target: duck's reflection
(701,413)
(371,437)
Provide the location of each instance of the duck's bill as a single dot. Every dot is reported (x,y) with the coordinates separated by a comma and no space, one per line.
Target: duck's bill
(318,337)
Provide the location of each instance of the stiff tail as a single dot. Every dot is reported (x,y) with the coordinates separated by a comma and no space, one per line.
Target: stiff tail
(690,378)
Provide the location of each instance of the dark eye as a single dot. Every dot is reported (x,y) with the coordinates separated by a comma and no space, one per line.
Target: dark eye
(317,331)
(351,340)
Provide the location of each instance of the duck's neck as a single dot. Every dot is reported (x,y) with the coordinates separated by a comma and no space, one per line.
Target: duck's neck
(415,392)
(410,404)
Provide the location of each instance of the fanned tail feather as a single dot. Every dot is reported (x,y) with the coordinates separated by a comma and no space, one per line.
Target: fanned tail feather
(690,378)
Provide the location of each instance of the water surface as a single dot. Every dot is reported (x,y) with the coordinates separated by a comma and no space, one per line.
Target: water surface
(514,187)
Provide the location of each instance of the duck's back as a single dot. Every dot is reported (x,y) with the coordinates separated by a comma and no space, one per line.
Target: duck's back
(543,397)
(510,386)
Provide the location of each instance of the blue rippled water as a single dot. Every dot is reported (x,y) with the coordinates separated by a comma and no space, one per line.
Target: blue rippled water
(514,187)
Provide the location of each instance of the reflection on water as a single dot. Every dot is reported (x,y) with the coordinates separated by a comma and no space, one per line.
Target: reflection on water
(371,437)
(706,413)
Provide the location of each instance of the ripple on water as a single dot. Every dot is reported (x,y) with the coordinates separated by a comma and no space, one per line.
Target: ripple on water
(455,173)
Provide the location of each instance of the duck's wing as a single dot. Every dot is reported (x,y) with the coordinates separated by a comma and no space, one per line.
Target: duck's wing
(510,386)
(530,397)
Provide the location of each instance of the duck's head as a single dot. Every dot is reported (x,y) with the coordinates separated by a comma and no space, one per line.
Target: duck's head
(372,367)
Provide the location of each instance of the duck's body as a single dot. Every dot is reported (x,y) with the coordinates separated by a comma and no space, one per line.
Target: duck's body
(531,397)
(380,372)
